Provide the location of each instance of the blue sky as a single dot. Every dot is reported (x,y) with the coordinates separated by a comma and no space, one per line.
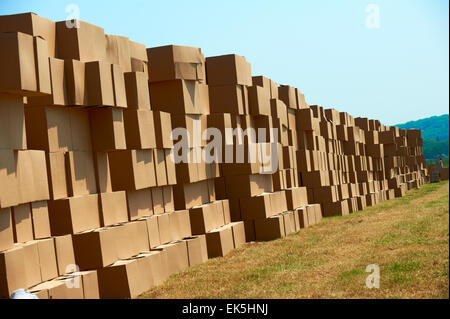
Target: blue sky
(395,73)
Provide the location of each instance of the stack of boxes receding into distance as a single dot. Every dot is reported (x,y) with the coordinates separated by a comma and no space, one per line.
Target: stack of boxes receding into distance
(92,202)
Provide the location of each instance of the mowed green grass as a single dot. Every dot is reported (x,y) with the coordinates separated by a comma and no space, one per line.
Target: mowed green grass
(408,238)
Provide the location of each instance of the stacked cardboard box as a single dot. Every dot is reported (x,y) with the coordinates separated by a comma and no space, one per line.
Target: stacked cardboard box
(98,197)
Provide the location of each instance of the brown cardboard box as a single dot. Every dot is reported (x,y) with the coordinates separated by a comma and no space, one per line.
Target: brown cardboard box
(157,261)
(74,214)
(197,250)
(139,129)
(48,128)
(226,211)
(132,169)
(118,51)
(189,195)
(289,222)
(139,234)
(228,99)
(170,169)
(120,280)
(278,202)
(248,185)
(176,62)
(85,43)
(227,70)
(80,171)
(238,230)
(152,230)
(32,24)
(127,240)
(296,197)
(58,289)
(89,283)
(160,167)
(166,234)
(259,101)
(302,217)
(107,127)
(311,212)
(335,209)
(219,241)
(80,130)
(31,259)
(169,202)
(118,79)
(95,249)
(287,94)
(23,224)
(113,208)
(12,270)
(145,269)
(41,221)
(65,256)
(42,65)
(18,61)
(204,218)
(139,203)
(32,176)
(177,256)
(57,175)
(163,129)
(6,229)
(269,228)
(12,122)
(316,178)
(137,91)
(58,87)
(256,207)
(76,89)
(47,259)
(180,224)
(102,172)
(158,200)
(180,97)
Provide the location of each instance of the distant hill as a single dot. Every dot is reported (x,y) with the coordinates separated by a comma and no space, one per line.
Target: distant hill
(434,133)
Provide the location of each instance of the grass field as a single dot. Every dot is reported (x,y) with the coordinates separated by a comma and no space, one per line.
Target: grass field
(408,238)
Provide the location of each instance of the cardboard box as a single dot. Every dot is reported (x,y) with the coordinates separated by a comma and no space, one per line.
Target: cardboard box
(139,129)
(85,43)
(170,168)
(32,24)
(65,256)
(76,89)
(163,129)
(287,94)
(89,283)
(12,122)
(118,79)
(108,131)
(189,195)
(120,280)
(58,289)
(160,167)
(227,70)
(228,99)
(102,172)
(118,51)
(180,224)
(238,230)
(137,91)
(197,250)
(6,229)
(58,87)
(175,62)
(259,101)
(177,256)
(113,208)
(169,202)
(157,265)
(57,175)
(166,234)
(158,200)
(296,197)
(180,97)
(139,203)
(302,216)
(219,241)
(32,176)
(289,223)
(74,214)
(132,169)
(33,267)
(80,173)
(18,61)
(12,268)
(339,208)
(269,228)
(23,224)
(256,207)
(47,259)
(152,230)
(41,221)
(205,218)
(95,249)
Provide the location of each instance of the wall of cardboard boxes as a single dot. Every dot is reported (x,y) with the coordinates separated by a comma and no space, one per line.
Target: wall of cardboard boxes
(86,176)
